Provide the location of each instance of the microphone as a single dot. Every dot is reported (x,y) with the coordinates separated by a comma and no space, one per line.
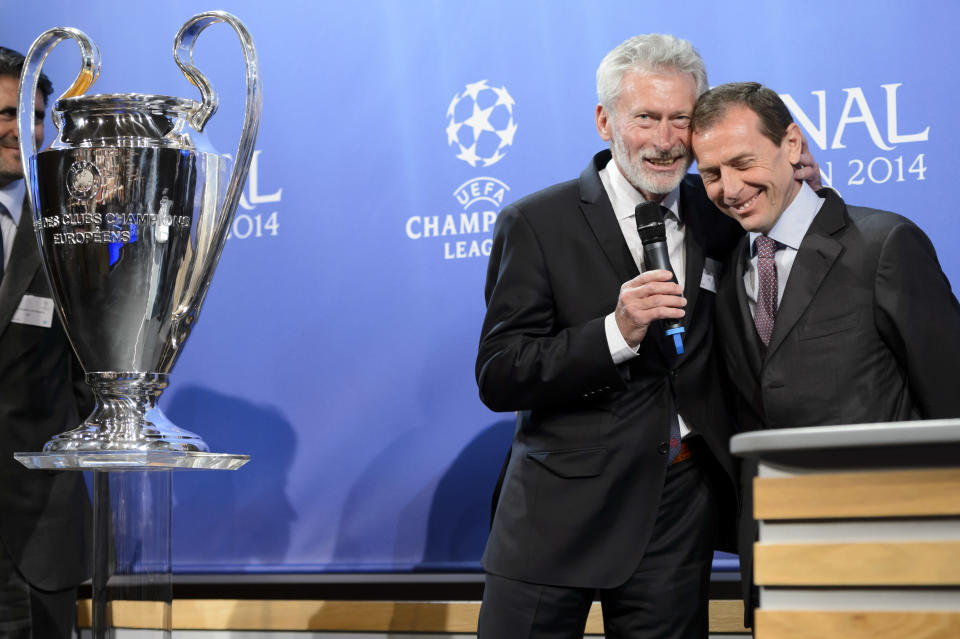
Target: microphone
(656,255)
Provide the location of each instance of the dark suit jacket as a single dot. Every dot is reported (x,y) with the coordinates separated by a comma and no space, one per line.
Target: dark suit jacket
(582,487)
(44,515)
(867,331)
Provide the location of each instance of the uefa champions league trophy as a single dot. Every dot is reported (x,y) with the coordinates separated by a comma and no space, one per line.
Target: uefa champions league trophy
(131,210)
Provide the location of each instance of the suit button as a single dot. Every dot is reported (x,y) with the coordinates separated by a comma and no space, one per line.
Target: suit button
(663,448)
(674,374)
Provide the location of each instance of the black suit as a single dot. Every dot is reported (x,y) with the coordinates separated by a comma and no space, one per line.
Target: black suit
(587,469)
(44,515)
(867,331)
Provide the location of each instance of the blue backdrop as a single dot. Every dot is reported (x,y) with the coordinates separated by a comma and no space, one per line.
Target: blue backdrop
(338,340)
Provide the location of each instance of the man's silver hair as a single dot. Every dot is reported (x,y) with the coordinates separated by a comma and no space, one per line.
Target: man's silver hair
(649,53)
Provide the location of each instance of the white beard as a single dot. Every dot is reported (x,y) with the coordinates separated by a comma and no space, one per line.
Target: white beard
(643,180)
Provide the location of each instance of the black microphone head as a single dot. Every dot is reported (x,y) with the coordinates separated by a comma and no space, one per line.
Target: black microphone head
(650,223)
(648,213)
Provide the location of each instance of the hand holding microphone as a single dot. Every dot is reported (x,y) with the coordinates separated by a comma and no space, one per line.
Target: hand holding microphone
(656,257)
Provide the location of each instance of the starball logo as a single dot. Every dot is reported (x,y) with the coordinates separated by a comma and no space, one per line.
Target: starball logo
(481,126)
(480,123)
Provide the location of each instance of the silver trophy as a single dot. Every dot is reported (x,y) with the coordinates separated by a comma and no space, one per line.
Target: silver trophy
(131,209)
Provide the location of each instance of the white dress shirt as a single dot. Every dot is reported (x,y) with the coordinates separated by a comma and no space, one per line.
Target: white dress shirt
(11,196)
(788,232)
(624,198)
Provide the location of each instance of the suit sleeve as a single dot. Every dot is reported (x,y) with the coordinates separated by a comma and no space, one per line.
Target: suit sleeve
(526,360)
(920,318)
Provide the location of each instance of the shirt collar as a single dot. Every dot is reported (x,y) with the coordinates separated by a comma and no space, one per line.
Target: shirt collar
(795,220)
(11,196)
(628,196)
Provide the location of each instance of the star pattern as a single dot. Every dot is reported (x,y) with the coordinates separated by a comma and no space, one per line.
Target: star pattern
(479,121)
(453,105)
(469,154)
(506,136)
(452,129)
(473,90)
(493,159)
(503,98)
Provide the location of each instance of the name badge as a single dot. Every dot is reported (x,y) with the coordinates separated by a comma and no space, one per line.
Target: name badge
(711,272)
(34,311)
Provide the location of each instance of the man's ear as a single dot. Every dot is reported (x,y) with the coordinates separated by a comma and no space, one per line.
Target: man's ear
(792,143)
(603,123)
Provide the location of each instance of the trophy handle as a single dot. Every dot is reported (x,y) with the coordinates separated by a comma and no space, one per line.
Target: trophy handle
(183,53)
(30,79)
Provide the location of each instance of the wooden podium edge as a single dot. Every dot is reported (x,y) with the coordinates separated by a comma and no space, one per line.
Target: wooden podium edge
(726,616)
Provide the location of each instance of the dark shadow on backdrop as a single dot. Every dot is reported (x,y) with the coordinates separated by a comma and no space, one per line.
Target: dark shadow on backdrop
(460,512)
(457,507)
(227,520)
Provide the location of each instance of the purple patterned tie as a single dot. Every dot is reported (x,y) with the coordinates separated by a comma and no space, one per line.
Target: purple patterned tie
(3,211)
(766,309)
(674,436)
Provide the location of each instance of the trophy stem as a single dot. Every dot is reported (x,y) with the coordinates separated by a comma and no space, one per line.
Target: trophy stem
(132,576)
(126,418)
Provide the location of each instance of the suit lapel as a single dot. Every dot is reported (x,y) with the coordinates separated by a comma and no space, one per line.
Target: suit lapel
(694,252)
(750,340)
(22,266)
(599,214)
(815,258)
(737,337)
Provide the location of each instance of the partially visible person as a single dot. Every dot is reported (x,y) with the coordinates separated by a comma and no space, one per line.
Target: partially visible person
(44,516)
(828,313)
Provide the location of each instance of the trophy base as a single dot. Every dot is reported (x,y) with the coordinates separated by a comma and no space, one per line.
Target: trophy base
(126,418)
(132,460)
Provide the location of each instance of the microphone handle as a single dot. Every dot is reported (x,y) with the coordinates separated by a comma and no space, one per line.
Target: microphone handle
(656,256)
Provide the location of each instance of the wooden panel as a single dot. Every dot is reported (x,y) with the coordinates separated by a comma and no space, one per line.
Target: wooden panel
(727,616)
(128,614)
(349,616)
(371,616)
(791,624)
(858,564)
(875,494)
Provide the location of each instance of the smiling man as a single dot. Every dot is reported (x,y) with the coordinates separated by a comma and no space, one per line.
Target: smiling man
(44,516)
(595,500)
(828,313)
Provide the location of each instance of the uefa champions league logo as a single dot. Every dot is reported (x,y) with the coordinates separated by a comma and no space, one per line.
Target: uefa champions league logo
(480,123)
(480,127)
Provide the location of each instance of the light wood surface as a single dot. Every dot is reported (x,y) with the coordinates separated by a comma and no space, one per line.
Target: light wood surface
(128,614)
(844,495)
(344,616)
(858,564)
(791,624)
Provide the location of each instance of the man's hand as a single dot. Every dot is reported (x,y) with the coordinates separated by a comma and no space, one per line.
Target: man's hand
(648,297)
(807,170)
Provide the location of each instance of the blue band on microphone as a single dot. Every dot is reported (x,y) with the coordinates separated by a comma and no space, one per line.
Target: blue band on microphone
(677,339)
